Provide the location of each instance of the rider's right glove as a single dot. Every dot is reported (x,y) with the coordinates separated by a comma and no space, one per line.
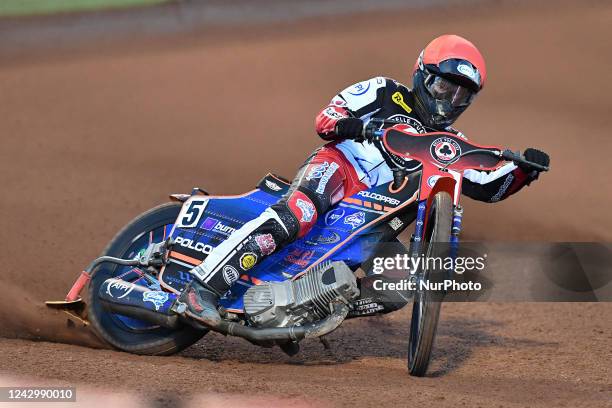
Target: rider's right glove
(534,156)
(349,128)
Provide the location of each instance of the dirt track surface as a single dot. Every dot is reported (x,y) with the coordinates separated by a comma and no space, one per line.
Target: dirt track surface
(93,137)
(487,355)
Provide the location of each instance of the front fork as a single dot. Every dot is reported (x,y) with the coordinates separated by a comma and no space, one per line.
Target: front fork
(420,222)
(417,237)
(456,229)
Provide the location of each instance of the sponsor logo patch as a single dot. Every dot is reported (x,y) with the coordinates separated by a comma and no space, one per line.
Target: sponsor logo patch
(307,208)
(273,186)
(329,172)
(414,126)
(118,288)
(196,246)
(265,243)
(324,239)
(398,98)
(355,220)
(444,149)
(333,216)
(431,180)
(213,224)
(360,88)
(503,188)
(317,171)
(230,274)
(379,197)
(299,257)
(467,70)
(157,297)
(248,260)
(332,113)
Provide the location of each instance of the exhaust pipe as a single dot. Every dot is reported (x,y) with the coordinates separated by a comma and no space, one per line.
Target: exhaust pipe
(292,333)
(255,335)
(163,320)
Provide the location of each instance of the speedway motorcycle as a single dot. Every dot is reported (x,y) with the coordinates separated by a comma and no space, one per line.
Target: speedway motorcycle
(304,290)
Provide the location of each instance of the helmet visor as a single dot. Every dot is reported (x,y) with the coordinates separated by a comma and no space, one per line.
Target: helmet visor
(444,90)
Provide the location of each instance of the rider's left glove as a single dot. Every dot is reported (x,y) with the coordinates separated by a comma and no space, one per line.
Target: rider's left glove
(534,156)
(349,128)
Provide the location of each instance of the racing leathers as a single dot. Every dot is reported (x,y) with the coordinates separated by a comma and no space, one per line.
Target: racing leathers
(335,171)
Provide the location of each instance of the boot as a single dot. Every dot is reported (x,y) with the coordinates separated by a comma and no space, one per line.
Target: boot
(201,303)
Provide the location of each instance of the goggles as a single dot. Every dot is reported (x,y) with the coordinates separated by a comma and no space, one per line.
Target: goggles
(444,90)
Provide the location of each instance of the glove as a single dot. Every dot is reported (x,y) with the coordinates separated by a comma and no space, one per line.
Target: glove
(349,128)
(534,156)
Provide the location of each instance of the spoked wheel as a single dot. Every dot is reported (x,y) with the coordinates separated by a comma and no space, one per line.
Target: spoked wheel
(123,332)
(426,304)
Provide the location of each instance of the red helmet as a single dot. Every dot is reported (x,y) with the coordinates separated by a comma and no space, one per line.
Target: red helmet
(448,74)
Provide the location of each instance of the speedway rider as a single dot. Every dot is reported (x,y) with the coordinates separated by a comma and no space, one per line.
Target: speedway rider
(448,74)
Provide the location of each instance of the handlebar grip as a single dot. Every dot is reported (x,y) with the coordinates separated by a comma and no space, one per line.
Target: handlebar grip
(370,132)
(516,157)
(510,155)
(373,129)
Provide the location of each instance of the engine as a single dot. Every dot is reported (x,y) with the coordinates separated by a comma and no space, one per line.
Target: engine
(308,299)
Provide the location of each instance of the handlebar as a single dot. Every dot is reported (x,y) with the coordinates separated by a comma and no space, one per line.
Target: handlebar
(373,132)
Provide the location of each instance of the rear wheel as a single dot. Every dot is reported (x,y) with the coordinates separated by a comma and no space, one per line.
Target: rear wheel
(426,304)
(123,332)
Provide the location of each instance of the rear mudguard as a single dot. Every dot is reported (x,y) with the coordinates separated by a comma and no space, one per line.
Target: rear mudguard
(137,299)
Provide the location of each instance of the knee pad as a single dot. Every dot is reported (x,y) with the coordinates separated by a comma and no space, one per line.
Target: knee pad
(286,217)
(299,211)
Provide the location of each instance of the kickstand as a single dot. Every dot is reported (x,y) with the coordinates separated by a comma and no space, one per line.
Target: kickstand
(325,343)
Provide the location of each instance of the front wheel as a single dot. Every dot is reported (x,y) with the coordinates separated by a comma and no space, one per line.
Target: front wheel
(123,332)
(426,304)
